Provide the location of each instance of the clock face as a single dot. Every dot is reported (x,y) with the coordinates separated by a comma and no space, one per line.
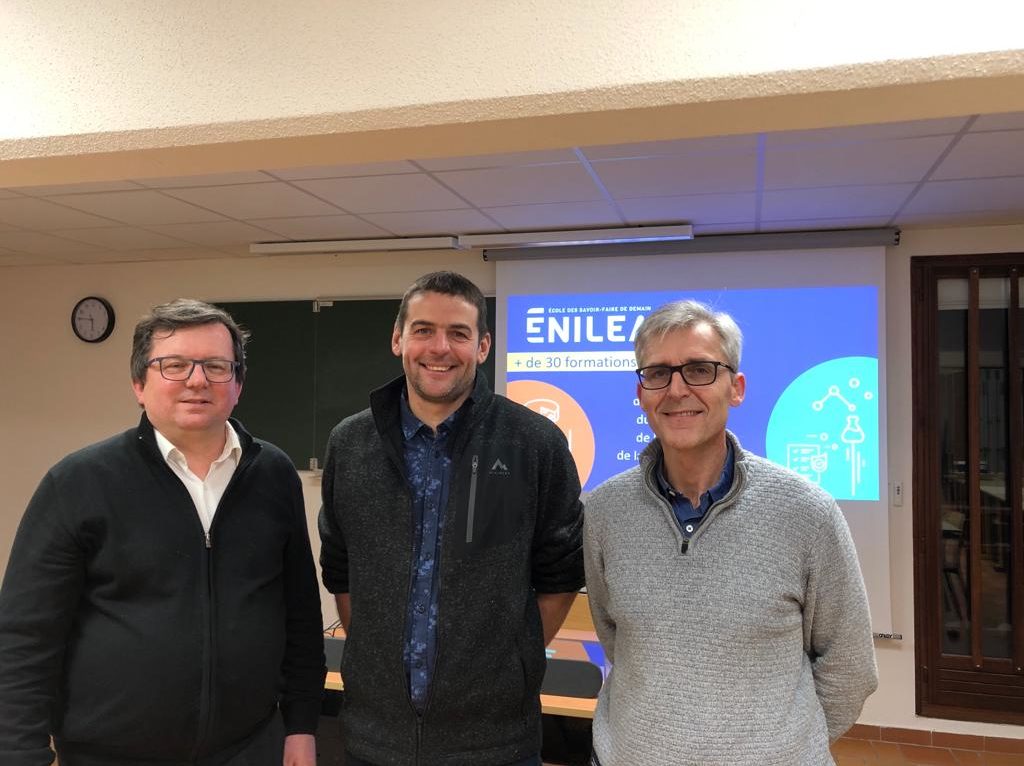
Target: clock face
(92,319)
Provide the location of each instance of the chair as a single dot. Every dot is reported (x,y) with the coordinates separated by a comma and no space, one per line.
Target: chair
(572,678)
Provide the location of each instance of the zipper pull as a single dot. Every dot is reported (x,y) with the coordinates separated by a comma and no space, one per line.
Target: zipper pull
(208,543)
(685,546)
(476,462)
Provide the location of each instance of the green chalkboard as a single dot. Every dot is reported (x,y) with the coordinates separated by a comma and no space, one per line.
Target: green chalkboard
(312,364)
(278,398)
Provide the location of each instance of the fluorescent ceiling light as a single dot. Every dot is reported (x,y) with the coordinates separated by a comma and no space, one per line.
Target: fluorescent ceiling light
(625,234)
(354,245)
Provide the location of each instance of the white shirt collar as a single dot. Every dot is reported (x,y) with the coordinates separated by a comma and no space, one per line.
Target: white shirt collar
(232,447)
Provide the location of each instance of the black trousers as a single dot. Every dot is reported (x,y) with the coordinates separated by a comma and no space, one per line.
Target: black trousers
(266,748)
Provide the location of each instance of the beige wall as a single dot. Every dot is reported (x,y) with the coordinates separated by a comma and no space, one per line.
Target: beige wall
(59,393)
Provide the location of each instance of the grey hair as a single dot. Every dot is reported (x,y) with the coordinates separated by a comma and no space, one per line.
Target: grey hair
(682,315)
(183,312)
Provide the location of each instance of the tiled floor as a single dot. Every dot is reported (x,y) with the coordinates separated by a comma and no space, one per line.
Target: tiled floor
(852,752)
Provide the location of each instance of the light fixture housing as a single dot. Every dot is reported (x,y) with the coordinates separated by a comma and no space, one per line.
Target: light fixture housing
(354,245)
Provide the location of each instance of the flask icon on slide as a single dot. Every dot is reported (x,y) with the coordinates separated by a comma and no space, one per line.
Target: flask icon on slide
(851,436)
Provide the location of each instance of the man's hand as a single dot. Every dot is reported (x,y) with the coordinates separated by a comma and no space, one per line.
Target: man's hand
(300,750)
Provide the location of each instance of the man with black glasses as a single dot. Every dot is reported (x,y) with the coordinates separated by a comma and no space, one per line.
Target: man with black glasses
(160,604)
(725,589)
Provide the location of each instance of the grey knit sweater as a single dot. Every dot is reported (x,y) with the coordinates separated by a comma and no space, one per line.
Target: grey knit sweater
(752,647)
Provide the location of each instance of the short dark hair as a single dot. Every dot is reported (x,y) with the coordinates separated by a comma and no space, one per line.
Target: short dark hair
(183,312)
(446,283)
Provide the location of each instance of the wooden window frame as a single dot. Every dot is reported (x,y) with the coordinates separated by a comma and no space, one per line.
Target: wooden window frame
(972,688)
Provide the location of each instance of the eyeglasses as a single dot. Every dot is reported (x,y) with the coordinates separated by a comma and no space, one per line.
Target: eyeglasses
(658,376)
(180,368)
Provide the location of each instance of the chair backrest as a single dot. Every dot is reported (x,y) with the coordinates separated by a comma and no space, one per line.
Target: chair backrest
(572,678)
(333,649)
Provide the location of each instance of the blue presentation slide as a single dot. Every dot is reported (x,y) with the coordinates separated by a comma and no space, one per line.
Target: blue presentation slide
(810,356)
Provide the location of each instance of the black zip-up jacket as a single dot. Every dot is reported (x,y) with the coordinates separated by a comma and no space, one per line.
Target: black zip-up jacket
(512,529)
(130,639)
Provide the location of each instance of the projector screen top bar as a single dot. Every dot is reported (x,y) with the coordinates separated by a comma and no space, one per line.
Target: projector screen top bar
(576,237)
(800,240)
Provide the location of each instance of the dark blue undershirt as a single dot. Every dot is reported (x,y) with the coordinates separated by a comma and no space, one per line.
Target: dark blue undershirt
(428,463)
(688,517)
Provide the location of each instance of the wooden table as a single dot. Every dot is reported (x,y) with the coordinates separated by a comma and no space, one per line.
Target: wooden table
(568,644)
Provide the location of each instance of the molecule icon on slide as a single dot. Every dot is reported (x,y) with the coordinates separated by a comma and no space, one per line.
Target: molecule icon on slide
(825,427)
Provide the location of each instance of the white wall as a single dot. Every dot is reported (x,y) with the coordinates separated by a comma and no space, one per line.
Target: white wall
(122,85)
(57,393)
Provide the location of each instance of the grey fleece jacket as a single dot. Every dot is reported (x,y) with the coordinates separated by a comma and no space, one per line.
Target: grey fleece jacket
(751,647)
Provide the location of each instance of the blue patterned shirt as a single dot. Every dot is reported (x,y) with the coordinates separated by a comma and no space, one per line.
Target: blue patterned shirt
(428,463)
(689,518)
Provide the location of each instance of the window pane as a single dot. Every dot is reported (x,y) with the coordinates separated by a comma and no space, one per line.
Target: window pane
(994,429)
(952,416)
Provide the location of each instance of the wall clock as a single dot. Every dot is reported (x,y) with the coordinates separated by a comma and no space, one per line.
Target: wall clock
(92,319)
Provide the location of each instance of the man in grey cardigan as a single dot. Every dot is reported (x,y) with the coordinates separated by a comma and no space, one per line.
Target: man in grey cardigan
(725,589)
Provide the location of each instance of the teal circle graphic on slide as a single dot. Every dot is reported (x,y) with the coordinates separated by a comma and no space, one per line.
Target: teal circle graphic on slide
(825,427)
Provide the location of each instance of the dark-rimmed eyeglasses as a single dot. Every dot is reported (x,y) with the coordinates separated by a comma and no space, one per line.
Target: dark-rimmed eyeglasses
(657,376)
(179,368)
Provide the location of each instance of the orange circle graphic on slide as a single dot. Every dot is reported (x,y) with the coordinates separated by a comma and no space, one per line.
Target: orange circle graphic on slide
(565,412)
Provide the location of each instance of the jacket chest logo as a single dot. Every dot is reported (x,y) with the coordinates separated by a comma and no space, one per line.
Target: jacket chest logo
(498,468)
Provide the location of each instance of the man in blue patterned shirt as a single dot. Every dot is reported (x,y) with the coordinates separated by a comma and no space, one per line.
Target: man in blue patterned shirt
(451,538)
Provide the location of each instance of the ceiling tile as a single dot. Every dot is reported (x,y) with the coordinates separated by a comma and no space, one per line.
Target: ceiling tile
(138,208)
(438,222)
(686,146)
(31,213)
(972,195)
(123,238)
(1008,121)
(268,200)
(559,215)
(499,160)
(215,179)
(86,188)
(980,155)
(852,133)
(34,242)
(384,194)
(345,171)
(835,202)
(216,233)
(818,224)
(710,208)
(533,184)
(322,227)
(670,176)
(868,162)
